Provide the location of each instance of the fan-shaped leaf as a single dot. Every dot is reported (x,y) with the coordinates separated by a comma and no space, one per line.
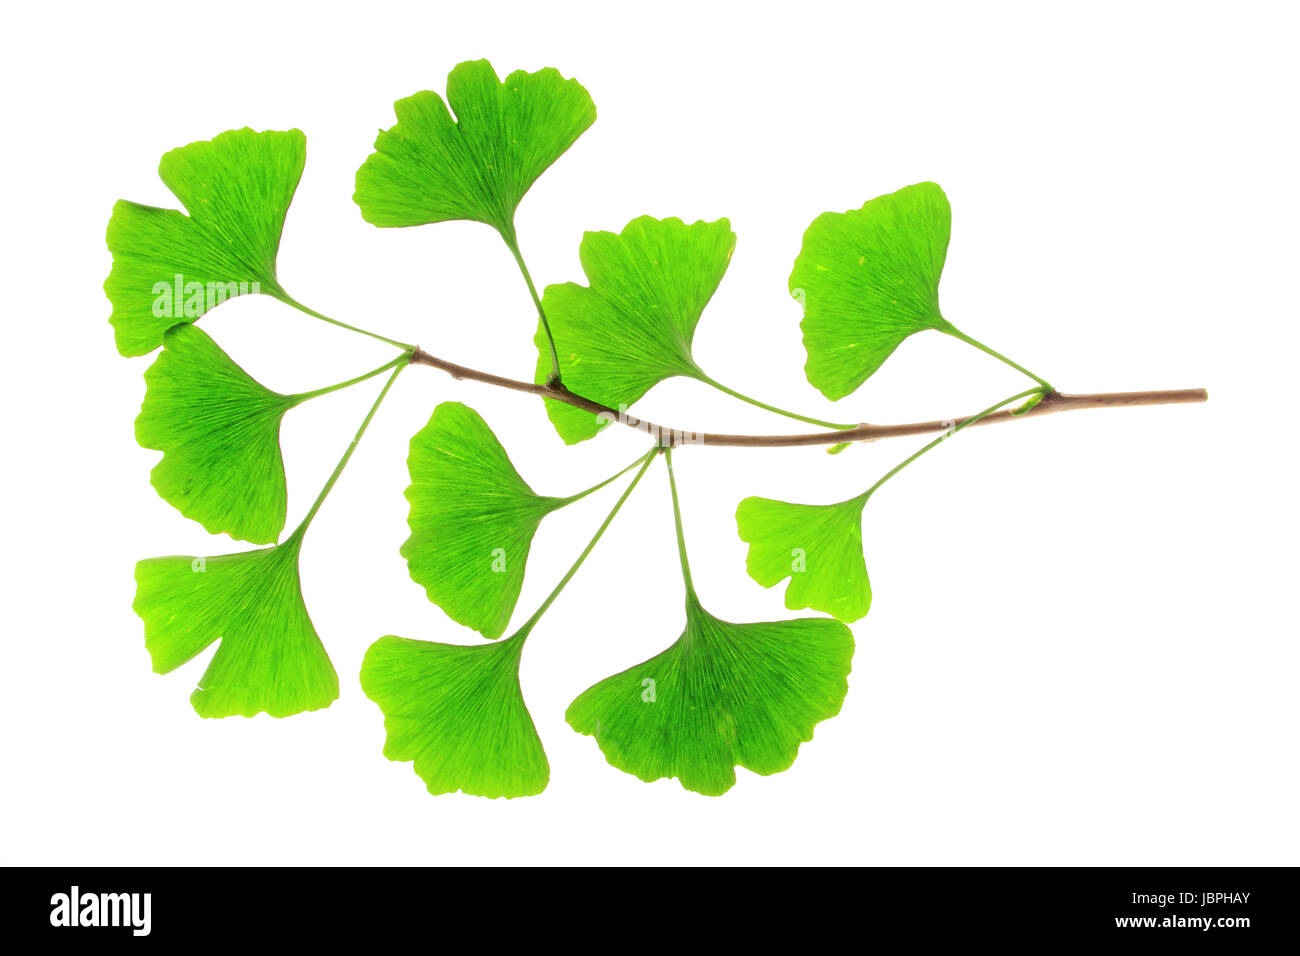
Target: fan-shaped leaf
(219,432)
(458,713)
(472,519)
(724,695)
(433,168)
(867,279)
(818,547)
(632,325)
(270,658)
(170,267)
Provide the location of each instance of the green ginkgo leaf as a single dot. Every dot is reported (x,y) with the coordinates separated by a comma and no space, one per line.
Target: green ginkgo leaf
(867,279)
(724,695)
(219,432)
(433,168)
(458,713)
(169,267)
(631,327)
(818,547)
(269,659)
(472,519)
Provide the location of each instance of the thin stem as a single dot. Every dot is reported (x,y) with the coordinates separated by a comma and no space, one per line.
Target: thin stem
(978,416)
(644,461)
(300,397)
(957,333)
(681,536)
(290,300)
(338,469)
(770,408)
(614,477)
(512,243)
(1052,402)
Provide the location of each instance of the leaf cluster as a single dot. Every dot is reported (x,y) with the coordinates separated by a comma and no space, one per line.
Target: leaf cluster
(722,695)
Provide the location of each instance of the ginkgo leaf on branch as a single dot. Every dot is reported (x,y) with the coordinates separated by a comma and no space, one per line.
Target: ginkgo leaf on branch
(724,695)
(432,167)
(818,547)
(632,325)
(458,713)
(867,279)
(472,519)
(269,659)
(219,432)
(171,267)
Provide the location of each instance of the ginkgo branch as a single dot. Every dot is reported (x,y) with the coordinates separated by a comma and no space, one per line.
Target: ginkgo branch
(1052,402)
(734,695)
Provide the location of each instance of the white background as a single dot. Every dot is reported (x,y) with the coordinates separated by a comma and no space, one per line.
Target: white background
(1083,644)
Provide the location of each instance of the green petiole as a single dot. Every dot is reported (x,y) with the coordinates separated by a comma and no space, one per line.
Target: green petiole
(316,393)
(512,243)
(770,408)
(1041,390)
(957,334)
(614,477)
(681,536)
(338,469)
(290,300)
(644,461)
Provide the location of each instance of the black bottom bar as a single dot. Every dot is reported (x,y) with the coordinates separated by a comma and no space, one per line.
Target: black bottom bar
(1237,908)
